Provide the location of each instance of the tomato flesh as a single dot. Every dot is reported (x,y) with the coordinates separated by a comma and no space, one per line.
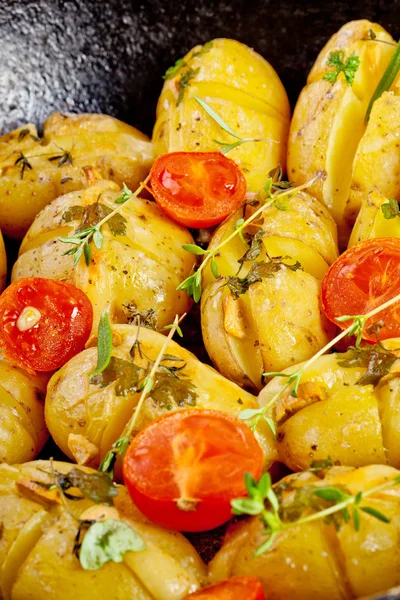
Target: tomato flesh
(236,588)
(43,323)
(362,278)
(197,189)
(183,470)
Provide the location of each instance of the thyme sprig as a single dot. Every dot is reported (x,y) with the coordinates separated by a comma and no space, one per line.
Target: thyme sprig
(81,240)
(262,501)
(253,416)
(225,148)
(193,283)
(121,445)
(386,80)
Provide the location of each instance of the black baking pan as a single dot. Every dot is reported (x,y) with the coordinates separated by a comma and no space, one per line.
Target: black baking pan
(109,55)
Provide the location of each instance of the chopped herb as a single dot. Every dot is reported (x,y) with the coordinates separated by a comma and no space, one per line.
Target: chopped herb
(203,50)
(23,163)
(321,465)
(22,134)
(390,209)
(258,271)
(145,318)
(185,81)
(172,71)
(170,391)
(63,159)
(119,448)
(124,373)
(348,68)
(255,249)
(125,196)
(66,179)
(104,344)
(96,487)
(375,359)
(107,541)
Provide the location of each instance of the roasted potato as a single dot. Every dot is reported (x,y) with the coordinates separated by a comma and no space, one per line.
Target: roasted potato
(347,408)
(3,264)
(87,415)
(277,321)
(38,536)
(371,222)
(23,431)
(329,122)
(138,268)
(243,89)
(35,171)
(316,560)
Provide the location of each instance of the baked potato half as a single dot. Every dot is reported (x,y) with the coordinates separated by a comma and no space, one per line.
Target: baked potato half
(23,431)
(347,408)
(86,415)
(243,89)
(34,171)
(317,560)
(329,119)
(278,318)
(39,533)
(138,268)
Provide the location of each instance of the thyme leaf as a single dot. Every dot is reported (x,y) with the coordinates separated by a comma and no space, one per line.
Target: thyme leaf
(104,344)
(96,487)
(258,271)
(375,359)
(63,159)
(24,164)
(124,373)
(174,69)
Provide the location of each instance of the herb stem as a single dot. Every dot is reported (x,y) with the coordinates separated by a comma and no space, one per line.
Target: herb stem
(141,186)
(386,80)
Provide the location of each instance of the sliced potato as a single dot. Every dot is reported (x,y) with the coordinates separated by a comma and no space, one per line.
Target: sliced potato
(36,549)
(138,268)
(329,120)
(34,171)
(279,319)
(314,560)
(243,89)
(98,409)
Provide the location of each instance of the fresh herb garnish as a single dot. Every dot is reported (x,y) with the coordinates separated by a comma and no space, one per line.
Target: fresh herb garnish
(193,283)
(104,344)
(375,359)
(96,487)
(125,374)
(225,148)
(24,164)
(259,270)
(63,159)
(390,209)
(348,68)
(107,541)
(203,50)
(327,503)
(22,134)
(184,82)
(145,318)
(386,80)
(125,195)
(174,69)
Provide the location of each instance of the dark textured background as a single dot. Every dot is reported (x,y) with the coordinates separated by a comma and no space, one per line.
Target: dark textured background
(108,56)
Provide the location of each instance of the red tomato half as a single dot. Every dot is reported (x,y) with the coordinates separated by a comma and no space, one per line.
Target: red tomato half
(362,278)
(43,323)
(236,588)
(183,470)
(197,189)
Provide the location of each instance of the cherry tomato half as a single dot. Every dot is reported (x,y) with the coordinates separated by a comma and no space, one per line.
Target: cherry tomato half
(236,588)
(183,470)
(197,189)
(362,278)
(43,323)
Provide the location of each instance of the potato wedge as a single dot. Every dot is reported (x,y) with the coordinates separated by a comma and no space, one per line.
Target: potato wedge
(315,560)
(138,268)
(243,89)
(347,409)
(34,171)
(329,120)
(278,319)
(97,409)
(36,551)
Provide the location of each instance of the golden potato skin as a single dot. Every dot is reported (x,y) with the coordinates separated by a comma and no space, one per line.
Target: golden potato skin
(3,264)
(244,90)
(355,425)
(142,268)
(278,320)
(85,419)
(371,222)
(314,561)
(23,431)
(329,121)
(36,171)
(36,548)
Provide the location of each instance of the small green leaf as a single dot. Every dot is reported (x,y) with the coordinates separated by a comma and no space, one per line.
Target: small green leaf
(118,448)
(96,487)
(249,413)
(330,493)
(107,541)
(172,71)
(390,209)
(215,116)
(88,254)
(264,485)
(194,249)
(214,268)
(356,519)
(271,424)
(147,385)
(104,344)
(247,506)
(77,254)
(348,68)
(98,239)
(266,545)
(375,513)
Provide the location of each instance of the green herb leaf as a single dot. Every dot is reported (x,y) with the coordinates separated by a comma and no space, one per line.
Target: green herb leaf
(215,116)
(330,493)
(321,465)
(172,71)
(203,50)
(22,134)
(126,374)
(255,249)
(125,195)
(214,268)
(96,487)
(107,541)
(376,360)
(375,513)
(185,81)
(249,413)
(258,271)
(348,68)
(88,254)
(390,209)
(387,79)
(247,506)
(118,449)
(194,249)
(356,518)
(104,344)
(170,390)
